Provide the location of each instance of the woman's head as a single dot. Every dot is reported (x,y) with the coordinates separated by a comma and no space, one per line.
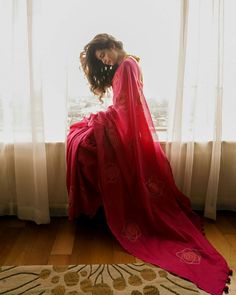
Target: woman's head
(110,56)
(100,59)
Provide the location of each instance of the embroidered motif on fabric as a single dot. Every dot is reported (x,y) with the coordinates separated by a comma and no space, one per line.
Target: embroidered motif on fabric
(121,100)
(155,186)
(189,256)
(131,231)
(111,172)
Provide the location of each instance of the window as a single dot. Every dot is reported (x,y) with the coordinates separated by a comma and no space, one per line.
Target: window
(147,29)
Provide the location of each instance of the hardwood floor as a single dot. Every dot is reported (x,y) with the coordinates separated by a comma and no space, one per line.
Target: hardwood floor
(60,242)
(90,241)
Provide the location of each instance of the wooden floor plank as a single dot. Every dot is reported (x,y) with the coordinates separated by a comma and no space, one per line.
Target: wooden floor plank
(65,236)
(89,240)
(11,221)
(93,243)
(39,249)
(7,240)
(231,239)
(120,254)
(17,255)
(225,224)
(59,260)
(217,239)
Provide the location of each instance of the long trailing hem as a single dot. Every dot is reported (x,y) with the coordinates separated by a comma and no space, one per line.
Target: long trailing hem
(114,158)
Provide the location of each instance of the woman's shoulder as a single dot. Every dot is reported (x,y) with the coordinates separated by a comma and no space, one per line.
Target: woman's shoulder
(129,65)
(132,59)
(131,62)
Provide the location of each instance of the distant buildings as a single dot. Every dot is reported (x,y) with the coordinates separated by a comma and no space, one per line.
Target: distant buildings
(83,106)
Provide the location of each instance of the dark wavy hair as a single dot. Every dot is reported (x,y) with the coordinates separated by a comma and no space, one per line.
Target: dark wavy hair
(98,74)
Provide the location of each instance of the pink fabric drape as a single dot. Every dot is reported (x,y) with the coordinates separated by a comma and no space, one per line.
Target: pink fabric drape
(114,159)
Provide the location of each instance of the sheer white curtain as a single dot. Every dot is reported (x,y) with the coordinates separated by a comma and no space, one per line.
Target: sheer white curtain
(22,114)
(196,112)
(23,99)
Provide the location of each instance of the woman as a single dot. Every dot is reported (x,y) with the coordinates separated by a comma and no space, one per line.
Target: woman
(114,160)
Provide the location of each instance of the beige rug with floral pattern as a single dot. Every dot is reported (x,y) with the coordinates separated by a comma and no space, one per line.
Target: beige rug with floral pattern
(92,279)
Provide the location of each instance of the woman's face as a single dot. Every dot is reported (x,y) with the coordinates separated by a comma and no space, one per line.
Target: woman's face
(107,56)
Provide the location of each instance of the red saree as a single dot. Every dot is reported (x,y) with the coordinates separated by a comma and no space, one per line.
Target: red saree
(114,159)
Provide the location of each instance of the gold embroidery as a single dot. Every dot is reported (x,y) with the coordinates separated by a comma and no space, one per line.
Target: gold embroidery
(131,231)
(121,100)
(155,186)
(189,256)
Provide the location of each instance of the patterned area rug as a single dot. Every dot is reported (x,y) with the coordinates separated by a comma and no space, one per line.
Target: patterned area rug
(95,279)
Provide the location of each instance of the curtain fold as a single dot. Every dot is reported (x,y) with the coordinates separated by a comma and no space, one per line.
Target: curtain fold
(174,135)
(213,182)
(197,108)
(25,126)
